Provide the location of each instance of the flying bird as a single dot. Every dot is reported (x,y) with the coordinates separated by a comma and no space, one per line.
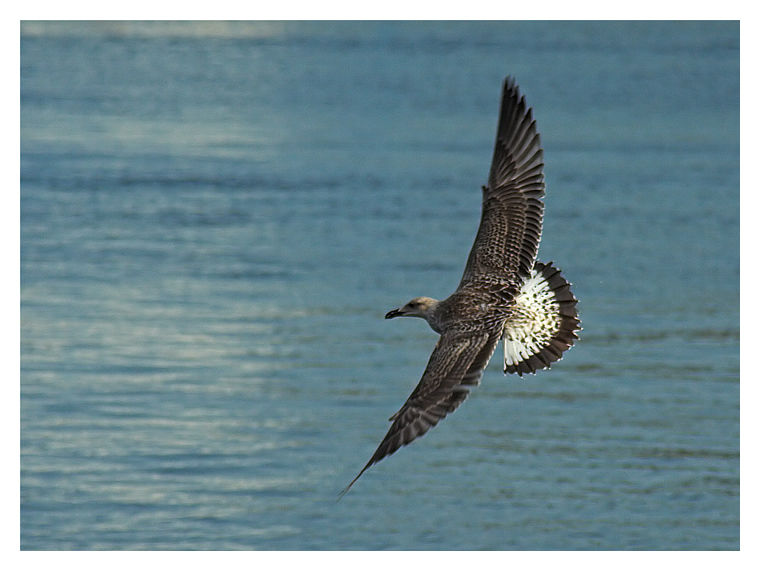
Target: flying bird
(504,295)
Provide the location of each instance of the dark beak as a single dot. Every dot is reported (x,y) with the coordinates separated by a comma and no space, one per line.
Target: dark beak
(393,313)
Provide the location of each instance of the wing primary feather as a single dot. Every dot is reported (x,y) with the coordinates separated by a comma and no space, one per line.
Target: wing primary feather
(456,360)
(512,213)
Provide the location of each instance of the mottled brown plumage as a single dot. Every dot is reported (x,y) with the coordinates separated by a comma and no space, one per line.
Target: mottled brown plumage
(503,293)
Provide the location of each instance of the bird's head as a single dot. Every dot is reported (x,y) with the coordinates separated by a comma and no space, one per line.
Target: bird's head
(417,307)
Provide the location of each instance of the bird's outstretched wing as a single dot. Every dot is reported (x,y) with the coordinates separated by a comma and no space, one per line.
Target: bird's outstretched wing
(512,215)
(457,361)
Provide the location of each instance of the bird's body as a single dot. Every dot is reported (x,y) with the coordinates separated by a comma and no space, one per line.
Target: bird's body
(504,294)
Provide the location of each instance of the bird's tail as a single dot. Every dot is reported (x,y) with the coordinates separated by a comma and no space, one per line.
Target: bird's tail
(543,324)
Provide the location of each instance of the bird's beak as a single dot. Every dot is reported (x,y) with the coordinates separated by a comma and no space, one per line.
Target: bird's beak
(394,313)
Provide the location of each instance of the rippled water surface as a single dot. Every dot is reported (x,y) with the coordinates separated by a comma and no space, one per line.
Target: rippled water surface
(215,218)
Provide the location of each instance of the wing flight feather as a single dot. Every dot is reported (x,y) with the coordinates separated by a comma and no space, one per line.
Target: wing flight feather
(512,215)
(457,360)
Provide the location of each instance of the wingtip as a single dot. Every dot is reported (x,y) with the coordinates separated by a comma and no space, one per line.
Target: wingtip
(351,484)
(510,87)
(369,464)
(344,491)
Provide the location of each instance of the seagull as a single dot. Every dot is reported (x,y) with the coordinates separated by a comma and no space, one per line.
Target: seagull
(504,295)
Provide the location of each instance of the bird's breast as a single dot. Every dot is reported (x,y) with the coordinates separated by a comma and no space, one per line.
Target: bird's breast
(473,311)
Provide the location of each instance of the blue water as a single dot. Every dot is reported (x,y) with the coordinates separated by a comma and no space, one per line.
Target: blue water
(215,218)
